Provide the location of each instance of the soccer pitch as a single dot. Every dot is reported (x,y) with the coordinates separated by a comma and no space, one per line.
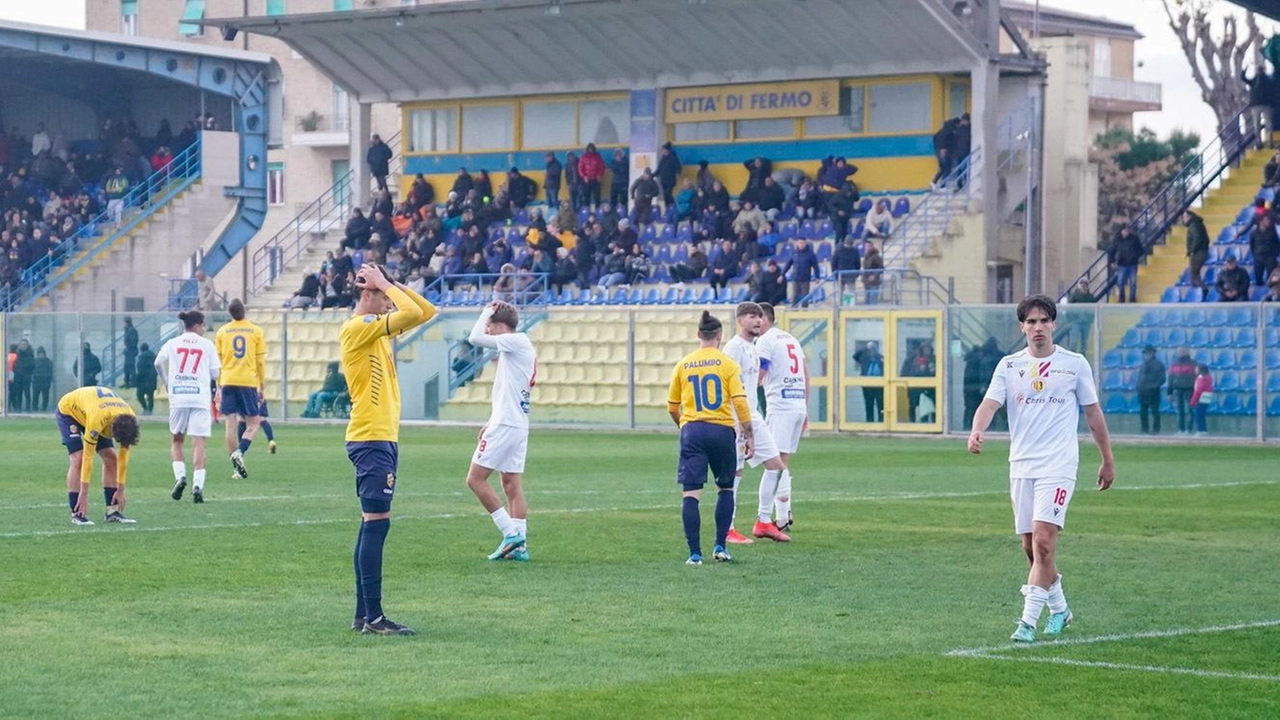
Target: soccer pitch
(895,598)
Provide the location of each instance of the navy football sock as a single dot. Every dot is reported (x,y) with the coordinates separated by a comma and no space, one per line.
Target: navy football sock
(371,540)
(355,559)
(692,525)
(109,496)
(244,445)
(240,426)
(724,515)
(72,499)
(266,428)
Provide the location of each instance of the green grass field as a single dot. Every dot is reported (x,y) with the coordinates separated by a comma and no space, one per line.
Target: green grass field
(895,599)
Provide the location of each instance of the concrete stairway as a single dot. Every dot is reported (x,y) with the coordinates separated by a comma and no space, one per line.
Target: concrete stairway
(1221,207)
(278,293)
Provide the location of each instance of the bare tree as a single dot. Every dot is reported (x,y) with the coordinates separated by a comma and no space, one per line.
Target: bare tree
(1216,62)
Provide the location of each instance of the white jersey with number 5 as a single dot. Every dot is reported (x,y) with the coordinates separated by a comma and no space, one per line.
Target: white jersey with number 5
(190,364)
(782,359)
(1043,397)
(744,353)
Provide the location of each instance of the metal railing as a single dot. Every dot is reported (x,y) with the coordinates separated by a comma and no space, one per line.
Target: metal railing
(466,360)
(103,230)
(1153,222)
(531,290)
(328,211)
(849,288)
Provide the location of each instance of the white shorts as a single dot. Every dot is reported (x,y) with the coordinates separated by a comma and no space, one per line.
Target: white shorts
(1042,500)
(766,448)
(787,427)
(502,448)
(197,422)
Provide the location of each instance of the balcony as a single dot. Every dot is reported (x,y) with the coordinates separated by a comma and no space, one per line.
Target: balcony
(1123,95)
(316,130)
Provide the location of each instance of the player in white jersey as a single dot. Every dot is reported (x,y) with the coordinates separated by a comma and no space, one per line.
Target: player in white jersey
(742,350)
(504,440)
(1043,387)
(785,377)
(188,365)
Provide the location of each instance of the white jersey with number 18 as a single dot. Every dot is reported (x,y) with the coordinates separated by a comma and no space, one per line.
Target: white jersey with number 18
(190,364)
(782,359)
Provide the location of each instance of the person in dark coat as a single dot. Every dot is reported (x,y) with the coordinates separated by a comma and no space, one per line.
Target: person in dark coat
(358,231)
(379,158)
(130,350)
(804,263)
(846,262)
(724,268)
(462,184)
(573,180)
(871,364)
(1233,282)
(758,168)
(145,377)
(1182,382)
(520,189)
(1265,246)
(1197,247)
(41,382)
(1124,255)
(551,181)
(962,145)
(92,367)
(1151,378)
(775,284)
(668,172)
(943,140)
(770,198)
(620,170)
(24,366)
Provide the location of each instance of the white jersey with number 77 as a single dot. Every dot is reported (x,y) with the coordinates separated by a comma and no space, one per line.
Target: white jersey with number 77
(190,363)
(782,359)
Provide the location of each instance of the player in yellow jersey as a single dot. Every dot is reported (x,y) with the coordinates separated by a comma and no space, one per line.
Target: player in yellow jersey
(91,418)
(707,401)
(383,310)
(242,350)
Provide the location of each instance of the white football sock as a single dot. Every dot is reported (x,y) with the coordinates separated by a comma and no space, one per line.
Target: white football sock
(782,500)
(179,470)
(199,478)
(1034,604)
(504,522)
(522,524)
(768,489)
(737,480)
(1057,599)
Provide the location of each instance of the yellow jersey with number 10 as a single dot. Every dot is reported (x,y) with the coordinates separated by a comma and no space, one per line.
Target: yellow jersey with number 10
(706,386)
(242,349)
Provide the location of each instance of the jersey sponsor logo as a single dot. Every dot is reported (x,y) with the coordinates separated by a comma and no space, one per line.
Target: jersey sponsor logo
(793,394)
(184,390)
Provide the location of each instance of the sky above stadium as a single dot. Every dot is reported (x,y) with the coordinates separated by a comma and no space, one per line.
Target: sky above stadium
(1158,53)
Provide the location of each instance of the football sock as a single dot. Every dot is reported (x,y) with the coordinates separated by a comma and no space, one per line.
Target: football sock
(782,499)
(1036,597)
(522,524)
(1057,599)
(505,524)
(240,426)
(266,428)
(737,480)
(179,470)
(724,515)
(371,542)
(768,489)
(244,445)
(72,499)
(355,559)
(109,497)
(199,478)
(692,524)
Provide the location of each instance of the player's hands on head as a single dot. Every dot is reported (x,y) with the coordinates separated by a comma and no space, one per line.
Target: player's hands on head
(373,277)
(1106,475)
(975,442)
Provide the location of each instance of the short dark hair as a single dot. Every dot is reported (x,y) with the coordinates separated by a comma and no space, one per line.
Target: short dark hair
(709,326)
(506,314)
(124,429)
(236,308)
(191,318)
(767,308)
(749,308)
(1037,302)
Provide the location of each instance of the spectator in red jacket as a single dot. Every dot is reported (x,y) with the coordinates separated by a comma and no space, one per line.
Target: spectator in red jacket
(161,158)
(1201,398)
(591,168)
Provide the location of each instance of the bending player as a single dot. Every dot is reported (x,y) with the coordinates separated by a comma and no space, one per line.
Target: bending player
(1046,384)
(89,419)
(242,348)
(743,352)
(504,440)
(785,377)
(383,309)
(189,366)
(707,401)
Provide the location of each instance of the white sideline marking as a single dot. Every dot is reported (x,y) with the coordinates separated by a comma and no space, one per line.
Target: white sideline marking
(1175,632)
(835,496)
(1138,668)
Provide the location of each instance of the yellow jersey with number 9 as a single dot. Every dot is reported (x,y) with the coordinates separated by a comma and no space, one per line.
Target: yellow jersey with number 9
(706,386)
(242,350)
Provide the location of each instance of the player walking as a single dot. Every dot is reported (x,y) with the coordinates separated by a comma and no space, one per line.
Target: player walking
(707,401)
(1043,386)
(785,377)
(89,419)
(264,425)
(383,309)
(189,366)
(504,440)
(742,350)
(242,349)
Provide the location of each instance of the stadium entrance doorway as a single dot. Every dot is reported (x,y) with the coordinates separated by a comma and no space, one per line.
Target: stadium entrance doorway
(891,377)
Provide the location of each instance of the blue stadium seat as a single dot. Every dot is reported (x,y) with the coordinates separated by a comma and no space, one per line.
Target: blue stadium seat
(1176,337)
(1218,317)
(688,297)
(1223,360)
(685,232)
(1267,194)
(1221,338)
(565,297)
(1152,336)
(864,206)
(1132,358)
(807,229)
(1116,404)
(647,297)
(515,237)
(1240,316)
(668,233)
(1273,383)
(744,292)
(1132,338)
(1273,408)
(1198,338)
(1256,294)
(582,298)
(1152,318)
(433,297)
(681,254)
(1228,405)
(1272,337)
(1116,381)
(1192,295)
(672,296)
(901,207)
(860,228)
(1248,381)
(1112,360)
(661,275)
(1202,356)
(1227,382)
(1273,358)
(1245,213)
(446,297)
(1211,296)
(648,234)
(707,296)
(824,251)
(521,217)
(1247,360)
(1170,295)
(788,230)
(825,229)
(1193,318)
(1245,338)
(1184,278)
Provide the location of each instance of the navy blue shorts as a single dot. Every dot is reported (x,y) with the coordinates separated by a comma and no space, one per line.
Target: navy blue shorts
(376,464)
(239,400)
(262,408)
(706,445)
(70,430)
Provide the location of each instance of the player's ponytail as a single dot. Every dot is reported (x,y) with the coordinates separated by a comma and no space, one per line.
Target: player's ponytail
(191,318)
(708,326)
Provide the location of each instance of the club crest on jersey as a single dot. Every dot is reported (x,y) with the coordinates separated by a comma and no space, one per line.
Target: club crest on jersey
(1037,385)
(391,480)
(369,318)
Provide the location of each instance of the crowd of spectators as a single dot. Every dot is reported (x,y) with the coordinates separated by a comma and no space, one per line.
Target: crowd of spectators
(51,188)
